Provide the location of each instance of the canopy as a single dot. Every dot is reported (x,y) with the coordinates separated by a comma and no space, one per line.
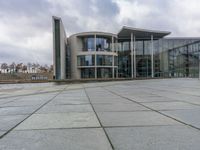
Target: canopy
(142,34)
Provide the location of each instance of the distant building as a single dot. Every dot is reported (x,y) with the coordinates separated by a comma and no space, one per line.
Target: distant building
(130,53)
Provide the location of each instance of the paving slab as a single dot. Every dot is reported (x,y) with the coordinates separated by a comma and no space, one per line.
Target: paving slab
(65,108)
(68,102)
(17,110)
(6,100)
(170,105)
(8,122)
(63,139)
(151,99)
(21,103)
(118,107)
(68,121)
(64,99)
(59,120)
(106,100)
(155,138)
(137,118)
(191,117)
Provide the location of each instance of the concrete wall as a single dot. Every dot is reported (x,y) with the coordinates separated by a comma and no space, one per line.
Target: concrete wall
(63,42)
(26,76)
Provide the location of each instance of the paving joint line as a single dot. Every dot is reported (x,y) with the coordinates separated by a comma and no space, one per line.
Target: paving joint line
(154,110)
(99,119)
(18,96)
(99,127)
(8,131)
(175,100)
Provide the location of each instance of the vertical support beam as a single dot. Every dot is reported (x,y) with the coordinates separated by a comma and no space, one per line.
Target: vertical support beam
(134,49)
(187,70)
(95,57)
(199,64)
(131,55)
(112,44)
(152,60)
(113,67)
(113,59)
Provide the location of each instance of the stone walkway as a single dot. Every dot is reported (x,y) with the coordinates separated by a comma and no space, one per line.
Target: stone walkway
(126,115)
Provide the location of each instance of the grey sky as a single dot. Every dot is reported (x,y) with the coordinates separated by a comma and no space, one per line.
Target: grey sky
(26,25)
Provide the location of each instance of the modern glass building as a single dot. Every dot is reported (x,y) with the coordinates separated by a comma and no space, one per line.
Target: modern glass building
(130,53)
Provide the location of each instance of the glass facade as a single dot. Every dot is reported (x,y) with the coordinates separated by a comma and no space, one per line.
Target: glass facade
(68,62)
(184,60)
(171,58)
(88,44)
(124,64)
(103,44)
(86,60)
(57,48)
(104,72)
(100,54)
(87,72)
(104,60)
(104,64)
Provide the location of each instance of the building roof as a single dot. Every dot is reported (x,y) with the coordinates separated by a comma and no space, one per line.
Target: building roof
(125,33)
(92,33)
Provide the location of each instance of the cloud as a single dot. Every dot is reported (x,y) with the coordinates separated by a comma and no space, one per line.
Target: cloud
(178,17)
(26,26)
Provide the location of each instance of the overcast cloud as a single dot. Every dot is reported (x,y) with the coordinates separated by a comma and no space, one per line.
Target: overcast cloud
(26,25)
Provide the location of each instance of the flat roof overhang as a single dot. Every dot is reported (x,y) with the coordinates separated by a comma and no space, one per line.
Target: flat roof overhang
(140,34)
(97,33)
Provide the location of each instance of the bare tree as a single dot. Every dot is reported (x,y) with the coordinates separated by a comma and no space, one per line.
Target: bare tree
(51,68)
(24,68)
(12,67)
(19,66)
(4,66)
(43,69)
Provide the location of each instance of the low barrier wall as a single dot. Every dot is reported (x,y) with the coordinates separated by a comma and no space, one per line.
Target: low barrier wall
(26,76)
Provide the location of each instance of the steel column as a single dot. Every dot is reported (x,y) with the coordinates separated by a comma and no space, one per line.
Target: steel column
(152,60)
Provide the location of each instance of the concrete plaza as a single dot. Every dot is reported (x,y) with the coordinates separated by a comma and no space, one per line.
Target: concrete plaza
(160,114)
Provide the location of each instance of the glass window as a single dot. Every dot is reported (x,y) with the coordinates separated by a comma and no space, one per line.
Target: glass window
(87,73)
(103,60)
(126,46)
(103,44)
(86,60)
(104,72)
(88,44)
(115,60)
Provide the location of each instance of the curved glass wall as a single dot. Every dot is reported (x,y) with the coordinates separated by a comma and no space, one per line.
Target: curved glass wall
(104,72)
(87,73)
(88,44)
(86,60)
(104,60)
(103,44)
